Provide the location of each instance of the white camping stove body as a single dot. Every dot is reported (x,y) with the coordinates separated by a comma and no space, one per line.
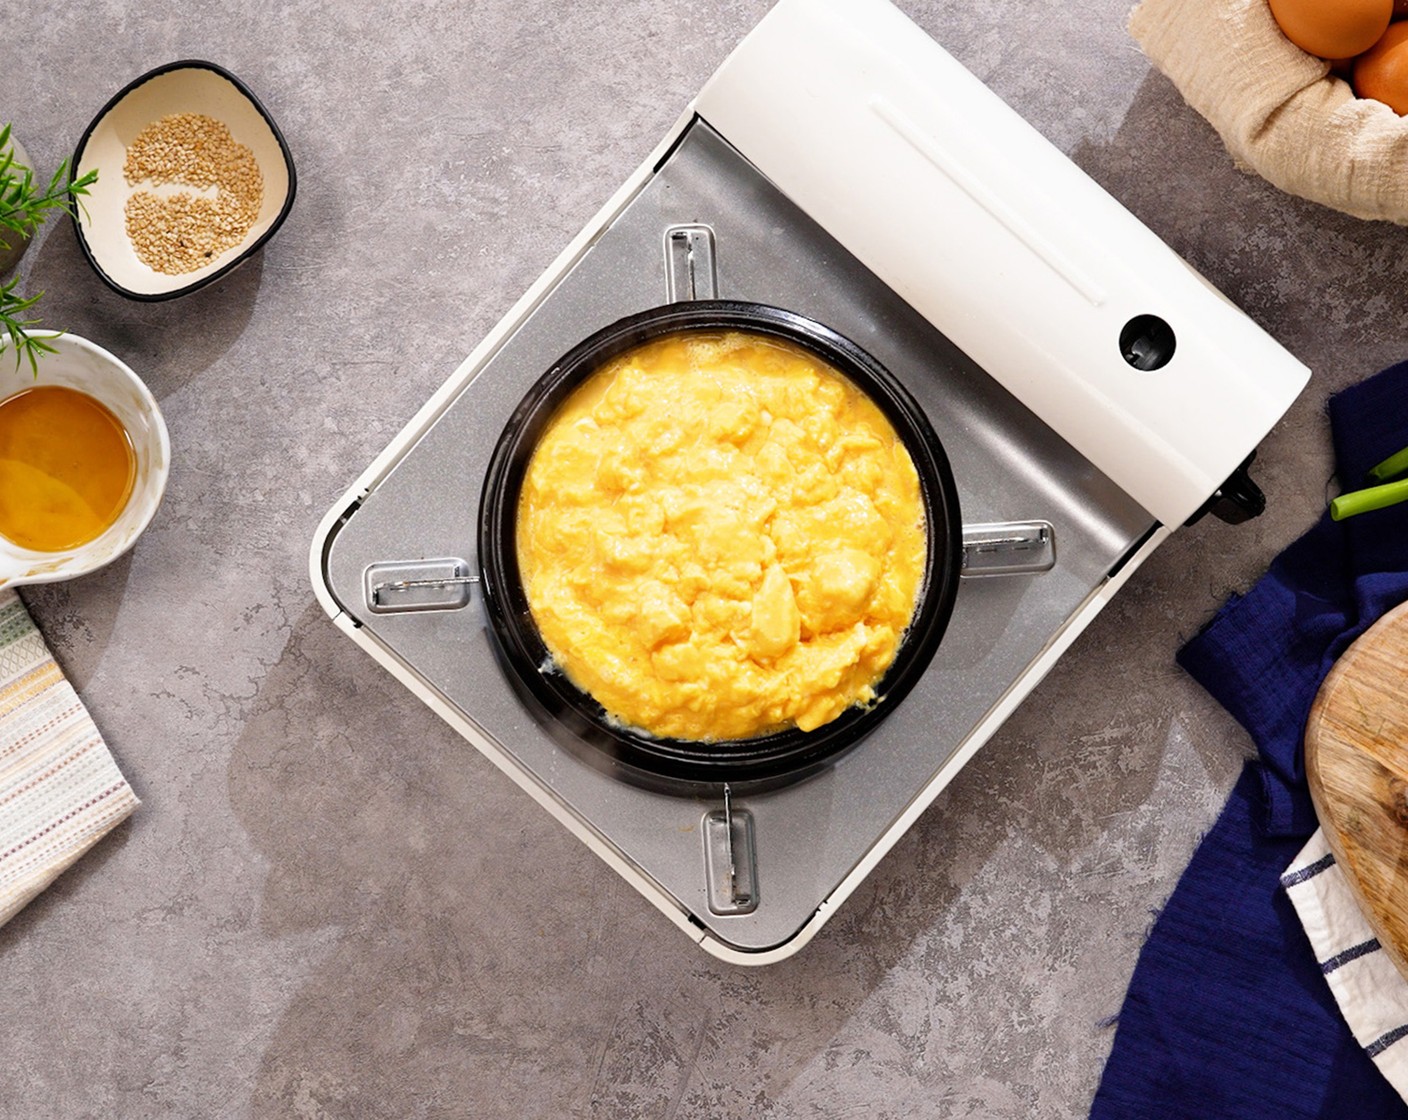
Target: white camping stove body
(1091,391)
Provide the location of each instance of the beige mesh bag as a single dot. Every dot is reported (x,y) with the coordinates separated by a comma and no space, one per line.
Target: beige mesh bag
(1279,111)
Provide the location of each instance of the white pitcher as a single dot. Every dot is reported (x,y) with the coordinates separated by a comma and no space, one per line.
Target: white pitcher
(82,365)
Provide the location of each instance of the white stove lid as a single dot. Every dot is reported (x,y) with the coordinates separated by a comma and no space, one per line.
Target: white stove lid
(1003,243)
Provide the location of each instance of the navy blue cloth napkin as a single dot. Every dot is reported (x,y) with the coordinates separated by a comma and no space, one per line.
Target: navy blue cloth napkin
(1228,1015)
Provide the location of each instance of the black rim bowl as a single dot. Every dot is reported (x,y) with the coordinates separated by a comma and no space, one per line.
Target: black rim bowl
(577,720)
(245,253)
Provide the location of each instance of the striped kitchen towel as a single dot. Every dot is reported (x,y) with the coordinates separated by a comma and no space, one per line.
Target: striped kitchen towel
(60,790)
(1372,994)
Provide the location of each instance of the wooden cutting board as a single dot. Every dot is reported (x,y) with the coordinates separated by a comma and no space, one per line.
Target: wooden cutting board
(1356,759)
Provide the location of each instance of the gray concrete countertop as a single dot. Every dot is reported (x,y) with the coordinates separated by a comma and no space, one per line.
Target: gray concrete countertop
(328,904)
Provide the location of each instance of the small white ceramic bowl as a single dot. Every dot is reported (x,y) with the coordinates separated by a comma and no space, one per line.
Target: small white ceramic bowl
(79,364)
(190,86)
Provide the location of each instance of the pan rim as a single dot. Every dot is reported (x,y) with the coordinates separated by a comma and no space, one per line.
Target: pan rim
(577,720)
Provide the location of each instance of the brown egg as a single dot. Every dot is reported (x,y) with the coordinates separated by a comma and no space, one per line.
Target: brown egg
(1382,72)
(1333,28)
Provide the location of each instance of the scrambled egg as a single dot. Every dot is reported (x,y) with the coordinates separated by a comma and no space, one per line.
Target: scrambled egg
(721,537)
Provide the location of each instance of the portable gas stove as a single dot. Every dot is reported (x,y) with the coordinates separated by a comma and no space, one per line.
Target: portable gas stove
(1092,393)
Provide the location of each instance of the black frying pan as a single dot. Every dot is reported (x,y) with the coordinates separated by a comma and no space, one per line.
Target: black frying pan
(578,721)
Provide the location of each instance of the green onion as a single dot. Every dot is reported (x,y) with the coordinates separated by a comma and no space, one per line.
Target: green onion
(1374,497)
(1391,467)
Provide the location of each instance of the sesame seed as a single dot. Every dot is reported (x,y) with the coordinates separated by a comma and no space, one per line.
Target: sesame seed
(181,232)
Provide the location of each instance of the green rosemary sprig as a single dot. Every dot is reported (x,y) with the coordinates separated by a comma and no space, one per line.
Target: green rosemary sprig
(12,309)
(24,204)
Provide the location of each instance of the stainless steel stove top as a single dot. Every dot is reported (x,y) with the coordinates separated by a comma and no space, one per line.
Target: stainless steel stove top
(797,844)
